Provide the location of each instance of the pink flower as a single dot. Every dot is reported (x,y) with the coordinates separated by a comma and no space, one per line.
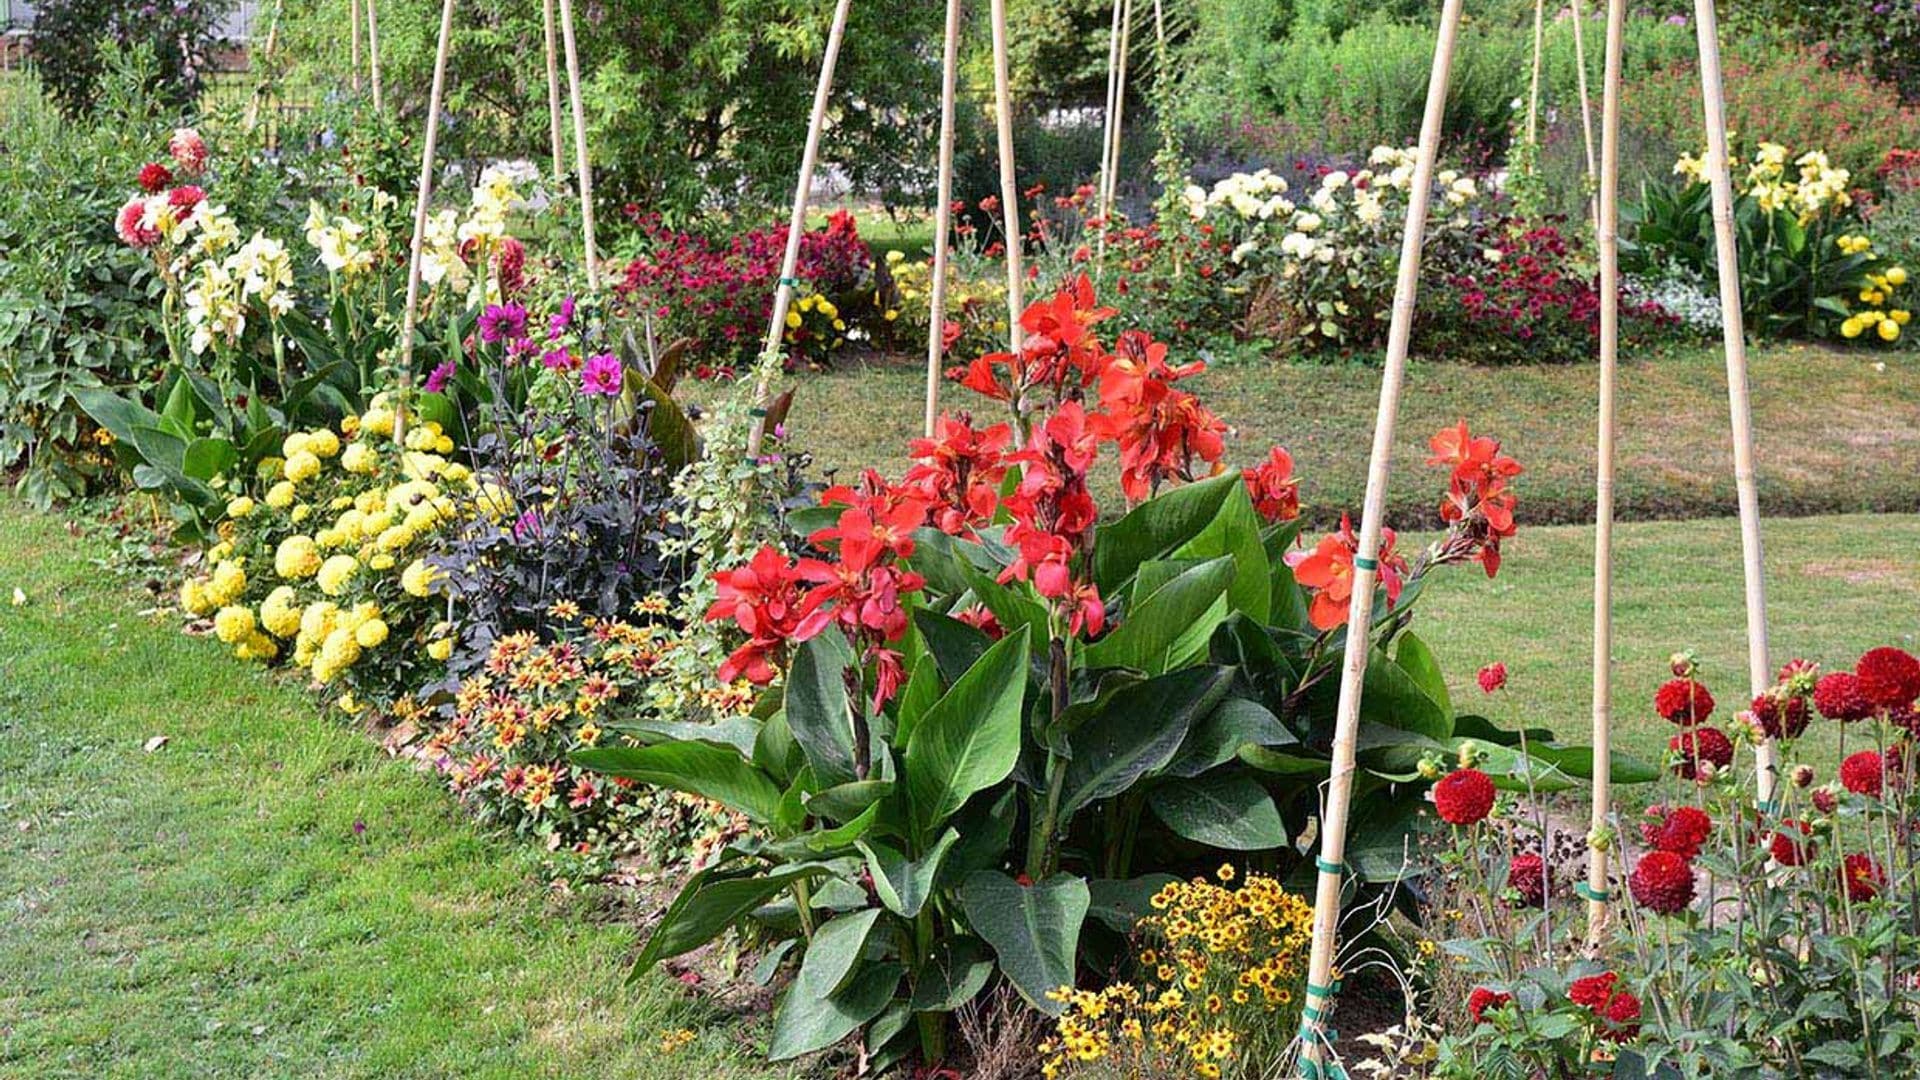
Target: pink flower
(131,224)
(189,150)
(602,375)
(437,381)
(1493,677)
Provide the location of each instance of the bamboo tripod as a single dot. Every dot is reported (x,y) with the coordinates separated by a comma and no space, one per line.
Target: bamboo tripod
(1322,984)
(1009,208)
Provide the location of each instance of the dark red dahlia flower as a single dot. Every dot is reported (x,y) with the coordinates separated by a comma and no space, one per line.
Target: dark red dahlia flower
(1464,797)
(1662,882)
(1528,877)
(1683,701)
(1862,773)
(1697,746)
(1483,999)
(1681,831)
(1889,677)
(1789,849)
(1862,878)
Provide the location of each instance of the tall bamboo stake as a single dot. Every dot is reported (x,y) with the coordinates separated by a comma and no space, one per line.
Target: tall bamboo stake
(353,36)
(1533,87)
(1580,73)
(1333,834)
(1608,224)
(1009,190)
(1106,120)
(373,55)
(553,95)
(942,215)
(1119,110)
(1733,332)
(261,85)
(580,163)
(796,224)
(411,313)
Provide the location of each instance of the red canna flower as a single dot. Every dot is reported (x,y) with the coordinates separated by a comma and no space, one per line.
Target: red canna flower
(1273,487)
(958,472)
(1478,505)
(768,598)
(1328,570)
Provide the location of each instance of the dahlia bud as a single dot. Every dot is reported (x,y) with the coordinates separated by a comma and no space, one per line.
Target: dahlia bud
(1705,771)
(1684,665)
(1803,776)
(1825,801)
(1469,754)
(1750,727)
(1429,768)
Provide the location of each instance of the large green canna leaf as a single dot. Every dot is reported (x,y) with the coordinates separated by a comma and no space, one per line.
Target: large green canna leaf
(903,884)
(1170,627)
(1120,903)
(714,900)
(970,739)
(1156,527)
(1235,531)
(715,772)
(1417,660)
(1034,929)
(956,970)
(1394,697)
(818,711)
(834,993)
(1138,732)
(1217,737)
(1229,811)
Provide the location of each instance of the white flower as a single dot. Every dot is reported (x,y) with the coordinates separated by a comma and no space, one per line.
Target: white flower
(1246,248)
(1334,181)
(1297,245)
(1307,223)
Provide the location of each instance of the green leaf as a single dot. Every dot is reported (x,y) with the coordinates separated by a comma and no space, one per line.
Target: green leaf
(955,971)
(1417,660)
(715,772)
(1217,737)
(954,645)
(1171,627)
(1391,696)
(1034,929)
(739,732)
(1156,527)
(818,711)
(844,802)
(1281,763)
(970,739)
(1138,732)
(1577,761)
(207,458)
(709,904)
(1232,812)
(1120,903)
(904,885)
(1235,531)
(804,1024)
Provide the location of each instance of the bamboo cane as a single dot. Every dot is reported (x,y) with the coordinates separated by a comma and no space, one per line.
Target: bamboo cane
(1009,189)
(942,215)
(553,95)
(410,314)
(260,86)
(1733,331)
(1119,110)
(796,224)
(580,163)
(1580,74)
(1608,224)
(373,55)
(1106,120)
(1533,87)
(353,36)
(1333,834)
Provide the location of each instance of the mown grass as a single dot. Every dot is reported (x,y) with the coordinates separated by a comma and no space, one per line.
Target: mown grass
(1837,586)
(266,896)
(1834,434)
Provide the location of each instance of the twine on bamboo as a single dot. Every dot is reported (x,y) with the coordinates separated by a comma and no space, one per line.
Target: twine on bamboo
(373,55)
(1333,834)
(942,216)
(580,163)
(411,313)
(1608,225)
(796,225)
(1586,99)
(1733,333)
(553,93)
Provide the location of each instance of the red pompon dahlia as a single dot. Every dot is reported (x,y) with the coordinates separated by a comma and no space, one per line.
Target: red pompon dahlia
(1493,677)
(1789,849)
(1781,715)
(1464,797)
(1683,701)
(1681,831)
(1662,882)
(1617,1010)
(1838,697)
(155,177)
(1697,746)
(1529,879)
(1862,878)
(1889,677)
(1483,999)
(1863,773)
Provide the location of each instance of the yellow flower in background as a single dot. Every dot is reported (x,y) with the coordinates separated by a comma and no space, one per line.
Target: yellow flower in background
(1897,275)
(359,459)
(335,573)
(233,625)
(1889,330)
(239,507)
(296,558)
(371,634)
(280,613)
(440,648)
(301,466)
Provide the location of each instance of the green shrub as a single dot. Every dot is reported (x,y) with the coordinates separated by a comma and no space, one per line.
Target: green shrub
(70,35)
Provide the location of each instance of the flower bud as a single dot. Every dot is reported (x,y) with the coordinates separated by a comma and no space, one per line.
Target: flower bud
(1684,664)
(1803,776)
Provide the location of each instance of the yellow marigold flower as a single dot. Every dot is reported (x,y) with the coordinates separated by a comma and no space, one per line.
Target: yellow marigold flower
(193,597)
(300,513)
(371,634)
(1900,316)
(296,558)
(1851,327)
(239,507)
(233,625)
(294,443)
(417,578)
(793,319)
(377,421)
(301,467)
(359,459)
(323,443)
(1889,330)
(440,648)
(340,651)
(228,582)
(280,495)
(1897,275)
(257,647)
(279,613)
(336,572)
(381,561)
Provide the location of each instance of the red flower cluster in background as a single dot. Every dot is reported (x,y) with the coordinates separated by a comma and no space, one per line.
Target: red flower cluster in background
(1273,487)
(958,471)
(1478,506)
(1160,430)
(1617,1010)
(1682,830)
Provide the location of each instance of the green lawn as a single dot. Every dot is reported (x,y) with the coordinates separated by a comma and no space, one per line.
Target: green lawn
(207,909)
(1837,586)
(1835,435)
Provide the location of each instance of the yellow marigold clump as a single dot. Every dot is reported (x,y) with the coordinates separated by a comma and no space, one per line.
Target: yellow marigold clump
(1221,976)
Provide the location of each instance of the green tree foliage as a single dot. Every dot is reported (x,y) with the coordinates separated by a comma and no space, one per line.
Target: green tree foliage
(69,35)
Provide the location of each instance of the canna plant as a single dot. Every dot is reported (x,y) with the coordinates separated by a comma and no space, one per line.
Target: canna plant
(1002,725)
